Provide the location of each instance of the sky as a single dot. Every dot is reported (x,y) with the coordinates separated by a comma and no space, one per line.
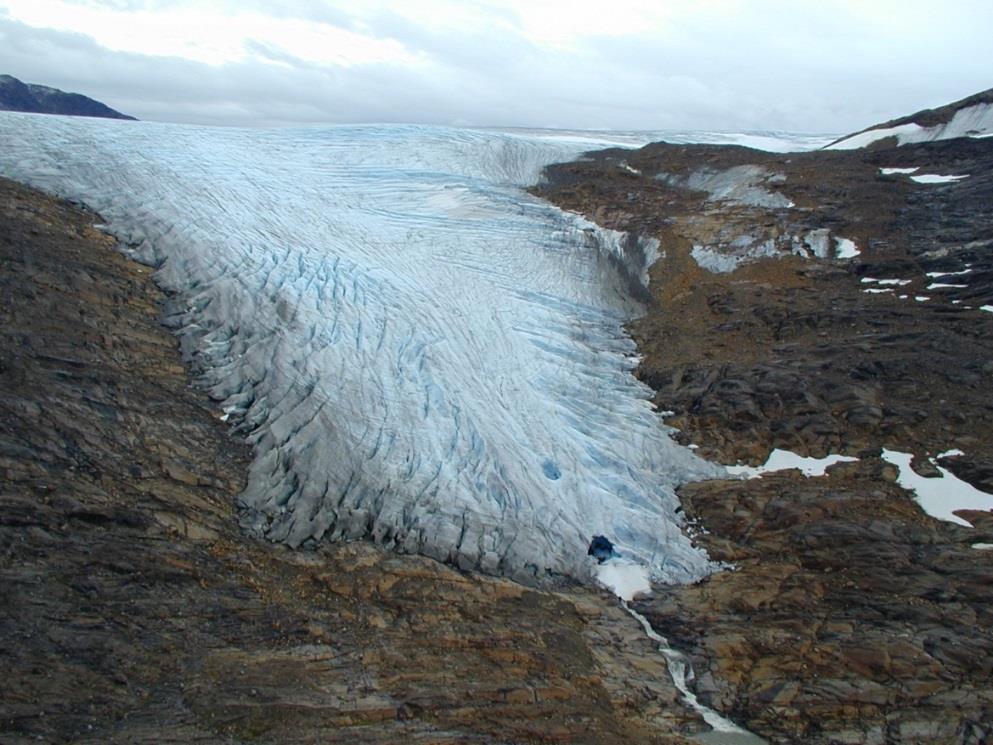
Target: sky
(830,66)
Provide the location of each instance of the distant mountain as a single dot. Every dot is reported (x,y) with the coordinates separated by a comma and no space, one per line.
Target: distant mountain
(40,99)
(970,117)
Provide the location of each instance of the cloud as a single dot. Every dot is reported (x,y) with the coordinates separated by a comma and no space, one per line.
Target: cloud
(833,66)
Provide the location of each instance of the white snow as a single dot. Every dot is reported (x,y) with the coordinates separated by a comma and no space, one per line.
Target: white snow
(949,274)
(873,280)
(949,453)
(971,121)
(933,178)
(846,249)
(983,546)
(940,285)
(418,351)
(921,298)
(782,460)
(892,171)
(624,578)
(987,308)
(939,497)
(877,291)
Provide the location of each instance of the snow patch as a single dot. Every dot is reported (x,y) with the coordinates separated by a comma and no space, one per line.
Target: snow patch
(877,291)
(892,171)
(949,274)
(987,308)
(873,280)
(783,460)
(846,249)
(939,497)
(933,178)
(941,285)
(624,578)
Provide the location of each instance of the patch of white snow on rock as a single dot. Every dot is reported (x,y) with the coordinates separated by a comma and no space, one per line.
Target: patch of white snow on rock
(939,497)
(846,249)
(933,178)
(784,460)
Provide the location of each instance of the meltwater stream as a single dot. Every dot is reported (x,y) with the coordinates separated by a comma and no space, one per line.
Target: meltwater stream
(419,352)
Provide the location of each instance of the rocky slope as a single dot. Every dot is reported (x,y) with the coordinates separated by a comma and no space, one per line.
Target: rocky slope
(135,610)
(823,302)
(40,99)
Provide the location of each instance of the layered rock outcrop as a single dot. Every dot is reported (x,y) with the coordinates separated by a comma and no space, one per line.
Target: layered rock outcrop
(822,302)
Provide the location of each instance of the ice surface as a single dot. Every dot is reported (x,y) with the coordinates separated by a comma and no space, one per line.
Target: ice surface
(972,121)
(419,352)
(783,460)
(933,178)
(939,497)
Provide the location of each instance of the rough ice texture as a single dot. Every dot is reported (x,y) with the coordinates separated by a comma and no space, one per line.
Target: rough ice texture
(419,352)
(972,121)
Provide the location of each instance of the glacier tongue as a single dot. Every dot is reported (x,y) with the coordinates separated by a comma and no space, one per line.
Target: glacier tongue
(419,352)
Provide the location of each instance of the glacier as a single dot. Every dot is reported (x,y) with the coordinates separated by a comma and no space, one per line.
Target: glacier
(419,352)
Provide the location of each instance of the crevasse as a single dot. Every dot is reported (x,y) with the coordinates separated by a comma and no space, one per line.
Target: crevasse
(419,352)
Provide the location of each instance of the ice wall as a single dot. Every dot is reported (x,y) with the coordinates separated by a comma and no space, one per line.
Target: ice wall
(418,351)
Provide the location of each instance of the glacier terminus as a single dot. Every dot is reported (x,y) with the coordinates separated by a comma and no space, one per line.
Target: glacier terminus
(419,351)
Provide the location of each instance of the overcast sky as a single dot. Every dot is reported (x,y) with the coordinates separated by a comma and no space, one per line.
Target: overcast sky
(805,66)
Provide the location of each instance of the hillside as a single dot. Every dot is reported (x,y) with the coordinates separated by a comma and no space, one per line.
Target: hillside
(970,117)
(41,99)
(828,302)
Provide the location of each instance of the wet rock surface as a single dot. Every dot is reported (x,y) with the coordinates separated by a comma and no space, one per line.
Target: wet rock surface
(850,615)
(134,609)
